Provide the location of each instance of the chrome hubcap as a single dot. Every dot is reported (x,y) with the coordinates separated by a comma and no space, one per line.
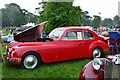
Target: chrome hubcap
(96,53)
(30,61)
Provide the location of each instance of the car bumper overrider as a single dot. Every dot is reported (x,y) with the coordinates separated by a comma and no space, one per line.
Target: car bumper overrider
(12,60)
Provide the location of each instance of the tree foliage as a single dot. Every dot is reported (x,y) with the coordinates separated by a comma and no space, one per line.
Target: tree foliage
(57,13)
(107,22)
(116,20)
(13,15)
(96,22)
(86,18)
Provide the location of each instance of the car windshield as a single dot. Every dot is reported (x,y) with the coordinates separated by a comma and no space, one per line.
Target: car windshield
(56,33)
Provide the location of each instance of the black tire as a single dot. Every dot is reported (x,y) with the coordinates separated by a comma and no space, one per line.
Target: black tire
(30,61)
(97,52)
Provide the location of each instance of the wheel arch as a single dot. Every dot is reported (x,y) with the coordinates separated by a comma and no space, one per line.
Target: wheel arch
(99,47)
(26,53)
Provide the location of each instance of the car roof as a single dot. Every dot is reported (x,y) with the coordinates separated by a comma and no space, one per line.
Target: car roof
(74,27)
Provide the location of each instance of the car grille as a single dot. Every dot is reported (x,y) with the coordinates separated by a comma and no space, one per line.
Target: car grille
(116,72)
(112,71)
(108,71)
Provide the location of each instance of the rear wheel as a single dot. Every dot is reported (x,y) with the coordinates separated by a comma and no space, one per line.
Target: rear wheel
(97,52)
(30,61)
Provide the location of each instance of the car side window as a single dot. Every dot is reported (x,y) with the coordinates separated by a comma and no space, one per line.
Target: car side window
(88,35)
(73,35)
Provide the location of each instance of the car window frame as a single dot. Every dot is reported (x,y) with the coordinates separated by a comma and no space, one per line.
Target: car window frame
(90,33)
(72,39)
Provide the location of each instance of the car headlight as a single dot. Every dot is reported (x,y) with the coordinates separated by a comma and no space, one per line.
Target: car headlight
(114,58)
(97,63)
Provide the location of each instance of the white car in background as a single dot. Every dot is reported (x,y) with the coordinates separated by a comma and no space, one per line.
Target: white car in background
(7,38)
(10,38)
(4,37)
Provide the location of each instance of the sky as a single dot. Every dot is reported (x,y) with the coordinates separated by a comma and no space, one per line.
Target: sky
(107,8)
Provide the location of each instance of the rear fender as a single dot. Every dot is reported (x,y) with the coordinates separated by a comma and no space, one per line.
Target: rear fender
(99,44)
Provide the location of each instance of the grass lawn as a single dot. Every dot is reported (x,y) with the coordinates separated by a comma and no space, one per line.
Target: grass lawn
(66,69)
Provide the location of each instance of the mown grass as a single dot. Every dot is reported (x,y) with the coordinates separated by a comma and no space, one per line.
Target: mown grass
(4,48)
(66,69)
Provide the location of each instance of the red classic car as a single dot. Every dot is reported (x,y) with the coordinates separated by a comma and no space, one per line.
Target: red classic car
(63,43)
(102,68)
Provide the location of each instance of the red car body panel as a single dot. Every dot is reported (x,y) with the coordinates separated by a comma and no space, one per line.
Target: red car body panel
(30,34)
(88,72)
(57,49)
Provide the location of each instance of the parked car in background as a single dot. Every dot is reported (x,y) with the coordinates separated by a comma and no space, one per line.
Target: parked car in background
(63,43)
(10,38)
(102,68)
(4,37)
(7,38)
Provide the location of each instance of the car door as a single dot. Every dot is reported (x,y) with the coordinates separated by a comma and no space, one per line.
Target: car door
(51,51)
(72,45)
(89,40)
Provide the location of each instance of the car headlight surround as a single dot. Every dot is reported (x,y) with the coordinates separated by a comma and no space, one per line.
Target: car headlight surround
(97,64)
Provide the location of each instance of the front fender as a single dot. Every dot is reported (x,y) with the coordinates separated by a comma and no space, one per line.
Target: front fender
(88,72)
(20,51)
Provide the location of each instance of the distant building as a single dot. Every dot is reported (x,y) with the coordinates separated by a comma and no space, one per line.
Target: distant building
(119,8)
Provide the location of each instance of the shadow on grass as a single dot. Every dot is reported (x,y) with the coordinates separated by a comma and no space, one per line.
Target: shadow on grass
(7,64)
(64,69)
(65,62)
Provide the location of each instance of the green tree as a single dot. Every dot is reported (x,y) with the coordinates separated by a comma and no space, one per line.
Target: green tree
(86,18)
(116,20)
(13,15)
(107,22)
(96,22)
(4,17)
(31,17)
(57,13)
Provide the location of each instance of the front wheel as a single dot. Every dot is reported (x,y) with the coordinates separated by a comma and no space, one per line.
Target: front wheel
(97,52)
(30,61)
